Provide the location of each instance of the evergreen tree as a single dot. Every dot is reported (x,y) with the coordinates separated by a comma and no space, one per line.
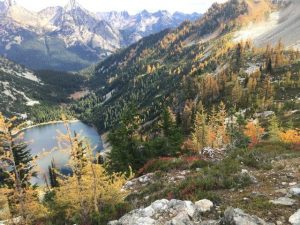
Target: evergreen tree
(24,162)
(53,174)
(172,134)
(269,68)
(126,149)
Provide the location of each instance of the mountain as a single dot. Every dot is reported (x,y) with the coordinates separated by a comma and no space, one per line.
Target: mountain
(71,38)
(176,66)
(134,27)
(68,38)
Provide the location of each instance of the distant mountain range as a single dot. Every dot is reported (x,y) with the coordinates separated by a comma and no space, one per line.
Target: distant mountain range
(71,38)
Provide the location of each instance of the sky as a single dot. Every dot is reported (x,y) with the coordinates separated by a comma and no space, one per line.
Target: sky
(132,6)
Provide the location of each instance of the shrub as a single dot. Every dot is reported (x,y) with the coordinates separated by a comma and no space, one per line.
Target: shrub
(290,137)
(254,131)
(167,164)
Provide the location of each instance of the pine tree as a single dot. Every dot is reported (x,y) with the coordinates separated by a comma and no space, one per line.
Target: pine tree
(269,68)
(125,143)
(172,134)
(53,174)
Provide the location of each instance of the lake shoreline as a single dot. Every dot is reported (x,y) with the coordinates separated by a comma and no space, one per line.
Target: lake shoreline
(45,124)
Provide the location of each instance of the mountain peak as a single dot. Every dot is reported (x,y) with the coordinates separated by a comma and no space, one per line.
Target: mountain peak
(72,4)
(144,12)
(10,3)
(5,5)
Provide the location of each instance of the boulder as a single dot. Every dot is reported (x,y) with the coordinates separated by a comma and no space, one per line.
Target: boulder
(210,222)
(295,190)
(283,201)
(137,182)
(295,218)
(204,205)
(238,217)
(162,212)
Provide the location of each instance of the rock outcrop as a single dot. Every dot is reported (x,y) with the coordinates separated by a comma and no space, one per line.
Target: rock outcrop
(295,218)
(177,212)
(165,212)
(295,190)
(239,217)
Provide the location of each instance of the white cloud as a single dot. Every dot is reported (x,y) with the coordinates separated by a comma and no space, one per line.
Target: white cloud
(132,6)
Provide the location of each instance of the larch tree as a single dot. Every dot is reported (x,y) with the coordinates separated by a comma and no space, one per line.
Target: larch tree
(17,163)
(237,92)
(200,131)
(274,128)
(89,186)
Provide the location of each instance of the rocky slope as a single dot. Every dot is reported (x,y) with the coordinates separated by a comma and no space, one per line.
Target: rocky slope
(177,212)
(272,197)
(17,86)
(71,37)
(282,24)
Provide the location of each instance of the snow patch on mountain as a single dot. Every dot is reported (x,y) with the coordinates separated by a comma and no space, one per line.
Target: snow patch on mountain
(16,70)
(12,93)
(6,90)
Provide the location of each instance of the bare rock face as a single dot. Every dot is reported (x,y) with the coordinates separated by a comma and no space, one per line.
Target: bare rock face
(295,218)
(165,212)
(204,205)
(177,212)
(239,217)
(283,201)
(295,190)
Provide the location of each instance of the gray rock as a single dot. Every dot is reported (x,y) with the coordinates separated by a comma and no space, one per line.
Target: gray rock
(181,219)
(162,212)
(264,114)
(238,217)
(283,201)
(245,172)
(295,218)
(295,190)
(204,205)
(146,178)
(210,222)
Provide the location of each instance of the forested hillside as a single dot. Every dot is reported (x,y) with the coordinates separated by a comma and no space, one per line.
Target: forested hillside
(150,73)
(196,62)
(26,92)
